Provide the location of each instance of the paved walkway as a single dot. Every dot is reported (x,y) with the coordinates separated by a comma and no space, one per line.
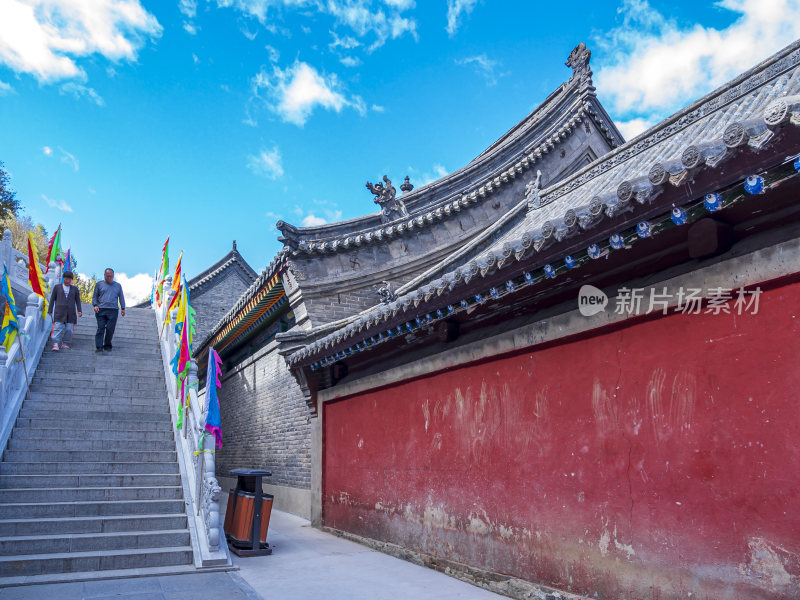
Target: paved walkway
(306,564)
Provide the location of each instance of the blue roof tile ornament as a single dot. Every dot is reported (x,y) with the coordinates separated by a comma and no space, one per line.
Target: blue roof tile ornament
(643,229)
(464,304)
(478,298)
(569,262)
(510,286)
(451,309)
(593,251)
(797,164)
(549,271)
(616,241)
(528,276)
(712,202)
(439,313)
(494,293)
(754,184)
(679,216)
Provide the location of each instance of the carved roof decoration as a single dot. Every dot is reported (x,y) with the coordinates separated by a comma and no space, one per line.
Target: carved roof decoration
(539,133)
(744,115)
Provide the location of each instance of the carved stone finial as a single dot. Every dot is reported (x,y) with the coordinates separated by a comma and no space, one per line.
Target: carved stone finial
(234,244)
(386,293)
(391,207)
(406,187)
(532,192)
(579,61)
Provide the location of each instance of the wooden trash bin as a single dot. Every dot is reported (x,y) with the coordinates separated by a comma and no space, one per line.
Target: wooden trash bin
(247,514)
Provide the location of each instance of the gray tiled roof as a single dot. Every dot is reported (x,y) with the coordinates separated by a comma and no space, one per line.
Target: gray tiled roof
(744,112)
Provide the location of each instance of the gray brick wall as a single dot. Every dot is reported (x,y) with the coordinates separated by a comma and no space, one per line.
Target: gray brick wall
(265,421)
(214,299)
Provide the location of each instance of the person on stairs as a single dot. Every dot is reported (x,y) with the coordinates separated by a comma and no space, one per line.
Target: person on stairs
(106,300)
(65,308)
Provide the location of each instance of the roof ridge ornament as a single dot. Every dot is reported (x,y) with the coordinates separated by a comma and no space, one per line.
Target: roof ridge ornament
(385,195)
(532,192)
(579,61)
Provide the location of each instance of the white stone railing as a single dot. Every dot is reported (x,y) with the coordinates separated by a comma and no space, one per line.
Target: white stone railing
(202,502)
(15,374)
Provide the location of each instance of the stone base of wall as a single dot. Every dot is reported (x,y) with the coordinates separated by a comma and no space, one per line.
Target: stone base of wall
(287,499)
(488,580)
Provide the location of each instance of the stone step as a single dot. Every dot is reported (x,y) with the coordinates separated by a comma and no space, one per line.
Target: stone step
(53,433)
(100,412)
(78,425)
(91,403)
(107,367)
(105,560)
(151,522)
(78,444)
(88,542)
(88,480)
(68,456)
(85,494)
(64,378)
(89,468)
(90,508)
(99,388)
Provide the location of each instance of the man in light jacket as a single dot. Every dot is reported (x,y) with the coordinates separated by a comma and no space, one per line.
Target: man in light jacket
(65,307)
(106,300)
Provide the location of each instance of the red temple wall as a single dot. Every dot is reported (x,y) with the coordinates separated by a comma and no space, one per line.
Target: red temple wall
(650,461)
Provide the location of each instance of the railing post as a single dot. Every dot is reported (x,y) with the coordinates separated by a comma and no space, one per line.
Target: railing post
(6,250)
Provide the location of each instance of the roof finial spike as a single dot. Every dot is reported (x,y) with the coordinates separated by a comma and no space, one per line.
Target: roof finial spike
(579,61)
(234,244)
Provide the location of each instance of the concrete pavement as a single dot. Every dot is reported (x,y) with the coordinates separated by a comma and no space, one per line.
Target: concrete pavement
(306,564)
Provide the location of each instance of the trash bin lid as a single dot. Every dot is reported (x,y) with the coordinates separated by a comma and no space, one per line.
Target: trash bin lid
(251,472)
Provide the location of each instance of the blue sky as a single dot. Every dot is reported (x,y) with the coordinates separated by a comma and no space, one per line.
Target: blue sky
(208,120)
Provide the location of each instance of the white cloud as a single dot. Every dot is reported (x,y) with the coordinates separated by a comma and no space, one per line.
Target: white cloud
(419,179)
(47,150)
(400,5)
(136,287)
(347,42)
(656,65)
(188,8)
(6,89)
(377,108)
(456,8)
(349,61)
(266,163)
(633,127)
(45,37)
(195,58)
(484,66)
(190,28)
(273,54)
(78,90)
(312,220)
(293,93)
(69,159)
(58,204)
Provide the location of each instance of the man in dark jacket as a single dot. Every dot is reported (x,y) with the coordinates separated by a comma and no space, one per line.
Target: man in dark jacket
(107,299)
(65,307)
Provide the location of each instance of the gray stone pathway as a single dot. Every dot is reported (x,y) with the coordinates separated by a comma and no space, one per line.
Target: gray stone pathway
(307,564)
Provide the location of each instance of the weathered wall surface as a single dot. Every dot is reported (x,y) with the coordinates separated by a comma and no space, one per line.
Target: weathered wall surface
(266,425)
(653,461)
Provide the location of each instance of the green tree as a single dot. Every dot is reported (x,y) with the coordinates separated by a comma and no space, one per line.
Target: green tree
(85,286)
(20,226)
(9,205)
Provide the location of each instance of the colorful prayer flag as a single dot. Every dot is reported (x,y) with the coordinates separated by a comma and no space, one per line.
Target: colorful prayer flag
(35,277)
(164,270)
(53,248)
(176,279)
(67,263)
(213,415)
(10,326)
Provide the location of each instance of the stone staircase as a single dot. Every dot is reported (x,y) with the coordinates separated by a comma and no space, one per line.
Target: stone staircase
(90,482)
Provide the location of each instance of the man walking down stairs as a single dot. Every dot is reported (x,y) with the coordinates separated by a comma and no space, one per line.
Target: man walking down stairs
(90,479)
